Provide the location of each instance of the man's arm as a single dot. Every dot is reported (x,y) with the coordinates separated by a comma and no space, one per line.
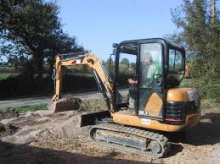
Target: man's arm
(131,81)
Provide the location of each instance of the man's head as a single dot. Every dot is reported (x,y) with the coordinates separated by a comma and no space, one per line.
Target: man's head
(148,58)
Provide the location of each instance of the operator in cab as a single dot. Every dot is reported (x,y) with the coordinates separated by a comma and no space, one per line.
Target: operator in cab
(149,69)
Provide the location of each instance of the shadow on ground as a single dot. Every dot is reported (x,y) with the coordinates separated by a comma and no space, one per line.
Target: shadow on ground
(207,132)
(20,154)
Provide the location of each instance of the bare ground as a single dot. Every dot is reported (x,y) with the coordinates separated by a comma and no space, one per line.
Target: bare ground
(42,137)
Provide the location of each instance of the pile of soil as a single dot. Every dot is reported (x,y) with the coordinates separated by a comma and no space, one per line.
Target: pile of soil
(36,126)
(66,103)
(7,128)
(69,129)
(8,113)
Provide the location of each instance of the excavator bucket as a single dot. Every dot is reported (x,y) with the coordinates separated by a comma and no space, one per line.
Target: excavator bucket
(67,103)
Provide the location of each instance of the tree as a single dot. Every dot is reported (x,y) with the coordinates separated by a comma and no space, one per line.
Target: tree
(110,65)
(178,38)
(125,61)
(32,29)
(60,44)
(194,18)
(199,24)
(198,32)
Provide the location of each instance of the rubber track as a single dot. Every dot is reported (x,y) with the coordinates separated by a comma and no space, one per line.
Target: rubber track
(161,139)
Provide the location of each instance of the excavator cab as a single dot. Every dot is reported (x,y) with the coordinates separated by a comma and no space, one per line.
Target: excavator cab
(164,70)
(159,102)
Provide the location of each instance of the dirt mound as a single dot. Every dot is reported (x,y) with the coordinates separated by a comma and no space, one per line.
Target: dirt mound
(66,103)
(7,129)
(38,125)
(69,129)
(8,113)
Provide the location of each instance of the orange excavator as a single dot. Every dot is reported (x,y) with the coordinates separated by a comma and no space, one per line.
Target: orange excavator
(160,105)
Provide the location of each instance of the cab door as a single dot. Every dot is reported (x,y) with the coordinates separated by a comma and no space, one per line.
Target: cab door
(150,98)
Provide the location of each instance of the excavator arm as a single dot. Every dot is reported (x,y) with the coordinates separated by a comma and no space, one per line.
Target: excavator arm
(102,78)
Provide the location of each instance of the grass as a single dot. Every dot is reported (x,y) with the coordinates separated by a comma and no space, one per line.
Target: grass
(75,144)
(4,76)
(7,69)
(93,104)
(97,104)
(31,108)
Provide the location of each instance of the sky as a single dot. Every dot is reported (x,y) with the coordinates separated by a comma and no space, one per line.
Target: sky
(97,24)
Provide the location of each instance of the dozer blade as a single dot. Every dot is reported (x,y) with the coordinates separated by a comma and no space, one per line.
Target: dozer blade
(66,103)
(94,118)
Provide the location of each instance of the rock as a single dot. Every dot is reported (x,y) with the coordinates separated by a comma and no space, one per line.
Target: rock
(206,120)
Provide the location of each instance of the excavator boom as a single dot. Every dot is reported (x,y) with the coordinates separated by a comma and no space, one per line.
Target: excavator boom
(104,82)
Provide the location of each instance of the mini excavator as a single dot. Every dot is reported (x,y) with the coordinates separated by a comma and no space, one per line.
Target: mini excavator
(160,107)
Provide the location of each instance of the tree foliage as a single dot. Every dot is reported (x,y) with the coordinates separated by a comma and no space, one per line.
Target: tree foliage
(110,65)
(31,34)
(201,36)
(194,18)
(124,61)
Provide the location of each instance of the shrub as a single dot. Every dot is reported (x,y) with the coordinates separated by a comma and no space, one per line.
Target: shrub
(206,76)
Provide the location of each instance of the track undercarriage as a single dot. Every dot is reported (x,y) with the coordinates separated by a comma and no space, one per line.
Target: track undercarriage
(130,139)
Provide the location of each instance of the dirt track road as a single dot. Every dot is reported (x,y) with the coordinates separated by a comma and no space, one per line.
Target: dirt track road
(44,137)
(46,99)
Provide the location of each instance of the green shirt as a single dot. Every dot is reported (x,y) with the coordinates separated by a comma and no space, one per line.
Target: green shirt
(149,73)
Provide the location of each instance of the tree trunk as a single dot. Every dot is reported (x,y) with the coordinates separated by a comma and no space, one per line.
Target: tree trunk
(38,67)
(51,74)
(212,9)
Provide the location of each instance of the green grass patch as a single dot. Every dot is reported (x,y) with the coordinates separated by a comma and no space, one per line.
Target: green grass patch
(4,69)
(4,76)
(75,144)
(93,104)
(31,108)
